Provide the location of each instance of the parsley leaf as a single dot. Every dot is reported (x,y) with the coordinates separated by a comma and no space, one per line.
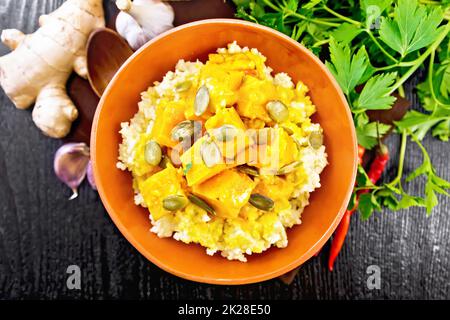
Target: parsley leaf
(241,13)
(345,33)
(362,179)
(366,131)
(187,168)
(420,123)
(434,184)
(376,93)
(445,84)
(412,27)
(348,69)
(442,130)
(408,201)
(292,5)
(368,203)
(367,135)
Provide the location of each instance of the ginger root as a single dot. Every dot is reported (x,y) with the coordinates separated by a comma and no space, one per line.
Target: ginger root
(37,69)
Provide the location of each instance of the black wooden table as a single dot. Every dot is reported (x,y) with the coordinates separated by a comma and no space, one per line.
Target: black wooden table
(42,233)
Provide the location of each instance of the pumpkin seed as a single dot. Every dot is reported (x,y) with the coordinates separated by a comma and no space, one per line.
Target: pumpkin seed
(183,130)
(202,204)
(316,140)
(288,130)
(201,101)
(153,153)
(298,144)
(183,86)
(225,133)
(175,202)
(277,111)
(210,153)
(251,171)
(289,168)
(261,202)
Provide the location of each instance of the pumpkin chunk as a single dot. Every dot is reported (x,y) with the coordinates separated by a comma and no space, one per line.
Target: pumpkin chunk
(253,97)
(279,150)
(276,188)
(225,116)
(168,115)
(226,192)
(194,167)
(231,148)
(159,186)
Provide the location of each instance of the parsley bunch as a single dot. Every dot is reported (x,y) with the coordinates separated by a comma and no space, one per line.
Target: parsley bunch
(372,47)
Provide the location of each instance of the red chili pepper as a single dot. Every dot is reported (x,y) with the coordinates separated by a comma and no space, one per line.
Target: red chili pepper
(374,174)
(339,238)
(377,166)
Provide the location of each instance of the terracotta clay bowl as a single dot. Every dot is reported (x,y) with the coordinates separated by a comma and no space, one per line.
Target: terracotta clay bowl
(194,41)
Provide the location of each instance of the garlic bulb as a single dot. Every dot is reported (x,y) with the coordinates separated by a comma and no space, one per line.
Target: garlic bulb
(151,17)
(70,165)
(130,30)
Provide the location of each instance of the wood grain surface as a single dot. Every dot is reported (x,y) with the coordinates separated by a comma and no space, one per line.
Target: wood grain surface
(42,233)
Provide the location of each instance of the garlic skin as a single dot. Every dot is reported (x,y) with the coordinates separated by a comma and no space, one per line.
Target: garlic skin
(90,176)
(70,165)
(130,30)
(152,16)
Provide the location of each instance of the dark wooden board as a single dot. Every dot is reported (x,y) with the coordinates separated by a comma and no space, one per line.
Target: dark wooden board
(41,233)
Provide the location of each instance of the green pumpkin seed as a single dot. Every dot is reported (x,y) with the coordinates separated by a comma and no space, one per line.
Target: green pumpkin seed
(175,202)
(201,101)
(289,168)
(225,133)
(152,153)
(277,111)
(316,140)
(202,204)
(210,153)
(287,129)
(298,144)
(183,130)
(251,171)
(183,86)
(261,202)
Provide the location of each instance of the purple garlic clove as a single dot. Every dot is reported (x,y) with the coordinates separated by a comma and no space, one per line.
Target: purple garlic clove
(90,176)
(70,165)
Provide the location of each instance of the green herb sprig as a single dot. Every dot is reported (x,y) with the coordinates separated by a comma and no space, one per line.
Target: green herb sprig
(372,47)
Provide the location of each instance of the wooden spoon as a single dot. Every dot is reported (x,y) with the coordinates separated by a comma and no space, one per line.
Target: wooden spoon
(106,52)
